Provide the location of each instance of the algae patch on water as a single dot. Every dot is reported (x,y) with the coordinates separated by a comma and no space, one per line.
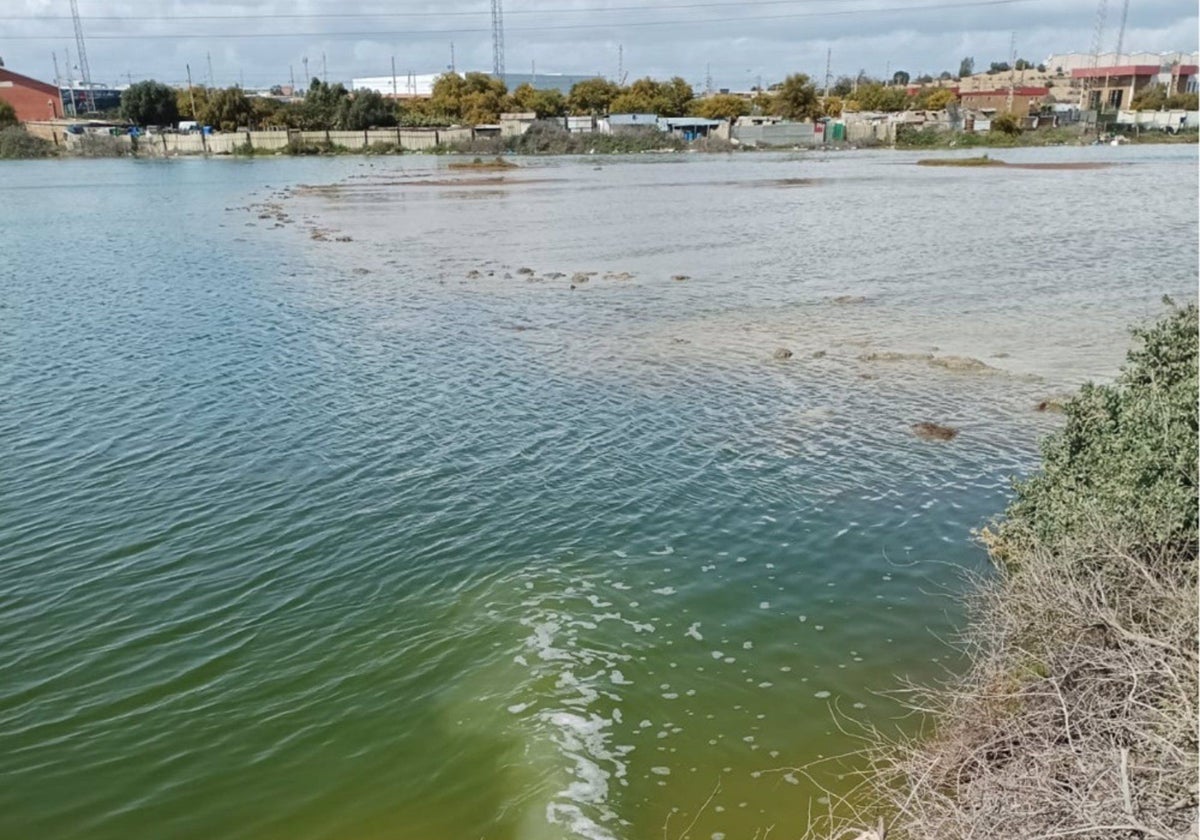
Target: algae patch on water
(480,165)
(985,161)
(982,160)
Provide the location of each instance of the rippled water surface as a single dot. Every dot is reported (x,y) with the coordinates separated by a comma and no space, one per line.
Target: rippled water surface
(383,538)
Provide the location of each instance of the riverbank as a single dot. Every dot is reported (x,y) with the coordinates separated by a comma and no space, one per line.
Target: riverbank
(1077,717)
(17,144)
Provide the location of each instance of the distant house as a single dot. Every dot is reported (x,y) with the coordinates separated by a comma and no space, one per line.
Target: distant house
(631,122)
(31,99)
(1025,100)
(694,128)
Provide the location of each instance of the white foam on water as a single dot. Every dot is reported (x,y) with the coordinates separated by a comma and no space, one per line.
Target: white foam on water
(693,632)
(821,695)
(666,590)
(661,771)
(578,713)
(668,550)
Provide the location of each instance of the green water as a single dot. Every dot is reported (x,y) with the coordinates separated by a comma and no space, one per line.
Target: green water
(320,539)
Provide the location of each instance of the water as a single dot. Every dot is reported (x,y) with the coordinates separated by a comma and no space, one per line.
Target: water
(315,539)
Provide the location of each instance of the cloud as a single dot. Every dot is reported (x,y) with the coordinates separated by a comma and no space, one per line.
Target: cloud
(737,43)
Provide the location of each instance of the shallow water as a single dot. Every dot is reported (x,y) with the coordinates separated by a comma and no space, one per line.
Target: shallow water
(310,538)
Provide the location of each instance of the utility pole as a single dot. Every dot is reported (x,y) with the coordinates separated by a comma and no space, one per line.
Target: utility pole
(292,78)
(211,83)
(828,65)
(307,78)
(1097,36)
(453,68)
(192,94)
(620,64)
(1012,70)
(71,86)
(62,106)
(324,70)
(533,70)
(394,91)
(708,84)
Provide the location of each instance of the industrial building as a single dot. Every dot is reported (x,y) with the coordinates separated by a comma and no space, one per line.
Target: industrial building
(420,85)
(31,99)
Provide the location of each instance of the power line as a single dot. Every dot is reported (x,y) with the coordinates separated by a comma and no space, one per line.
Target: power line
(419,33)
(708,4)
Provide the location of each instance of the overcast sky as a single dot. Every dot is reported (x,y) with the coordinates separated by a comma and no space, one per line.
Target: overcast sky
(261,42)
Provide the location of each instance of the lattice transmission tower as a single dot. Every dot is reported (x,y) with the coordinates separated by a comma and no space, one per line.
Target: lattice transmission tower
(498,39)
(85,72)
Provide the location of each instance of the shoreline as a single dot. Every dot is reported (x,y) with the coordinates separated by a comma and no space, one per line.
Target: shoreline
(459,141)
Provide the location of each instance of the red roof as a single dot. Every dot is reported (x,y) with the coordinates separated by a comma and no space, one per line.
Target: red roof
(1116,70)
(10,79)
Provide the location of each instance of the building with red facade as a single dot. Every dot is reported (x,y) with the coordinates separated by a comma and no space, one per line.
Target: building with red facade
(32,100)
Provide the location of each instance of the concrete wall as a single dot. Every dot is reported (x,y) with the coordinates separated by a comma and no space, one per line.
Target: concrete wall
(1159,119)
(779,134)
(169,145)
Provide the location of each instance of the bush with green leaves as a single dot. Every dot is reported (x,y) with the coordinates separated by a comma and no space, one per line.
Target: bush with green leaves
(1127,455)
(8,115)
(17,143)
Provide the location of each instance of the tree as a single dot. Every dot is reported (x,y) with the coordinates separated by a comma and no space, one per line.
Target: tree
(1006,124)
(998,67)
(843,87)
(966,67)
(833,106)
(544,103)
(721,106)
(1156,98)
(900,78)
(796,98)
(149,103)
(1022,64)
(592,96)
(322,105)
(935,99)
(8,115)
(184,97)
(876,97)
(945,75)
(925,79)
(647,96)
(228,109)
(366,109)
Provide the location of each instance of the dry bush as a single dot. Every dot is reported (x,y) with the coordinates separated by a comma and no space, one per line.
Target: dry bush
(1078,714)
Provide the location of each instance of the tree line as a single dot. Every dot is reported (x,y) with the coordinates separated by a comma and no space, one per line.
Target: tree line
(476,98)
(473,98)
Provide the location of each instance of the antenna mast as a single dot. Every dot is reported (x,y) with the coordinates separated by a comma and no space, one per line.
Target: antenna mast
(498,39)
(1121,31)
(828,65)
(1097,36)
(81,53)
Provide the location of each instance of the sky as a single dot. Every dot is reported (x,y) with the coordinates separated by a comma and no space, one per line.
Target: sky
(259,43)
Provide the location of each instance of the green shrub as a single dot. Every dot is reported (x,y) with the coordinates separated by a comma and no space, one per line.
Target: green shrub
(16,143)
(1006,124)
(1127,455)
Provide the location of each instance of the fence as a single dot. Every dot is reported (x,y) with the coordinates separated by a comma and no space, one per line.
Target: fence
(778,134)
(169,145)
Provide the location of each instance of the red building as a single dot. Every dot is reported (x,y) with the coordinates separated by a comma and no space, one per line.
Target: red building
(1117,86)
(32,100)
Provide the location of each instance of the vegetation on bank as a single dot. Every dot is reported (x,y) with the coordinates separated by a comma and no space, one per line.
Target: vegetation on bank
(19,144)
(1078,715)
